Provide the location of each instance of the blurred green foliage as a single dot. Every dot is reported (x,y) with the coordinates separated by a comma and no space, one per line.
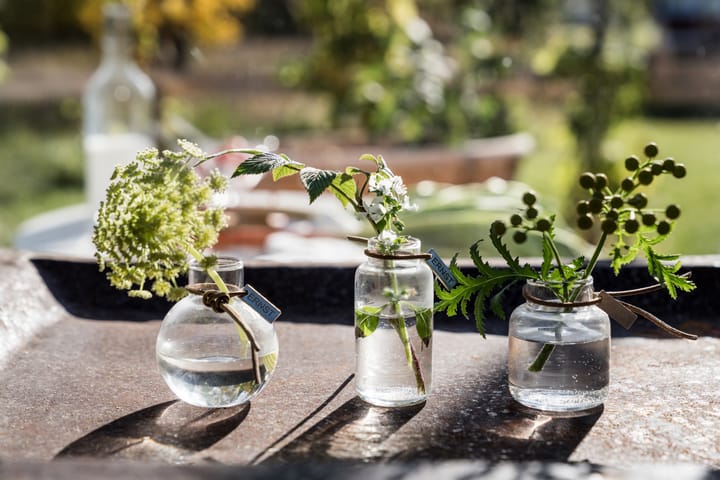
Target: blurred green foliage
(388,74)
(40,171)
(3,49)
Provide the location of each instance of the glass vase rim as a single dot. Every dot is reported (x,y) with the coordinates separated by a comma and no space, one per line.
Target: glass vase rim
(225,263)
(409,244)
(580,282)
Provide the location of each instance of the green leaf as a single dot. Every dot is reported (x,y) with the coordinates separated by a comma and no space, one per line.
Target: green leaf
(286,170)
(547,256)
(366,320)
(261,163)
(372,158)
(423,318)
(344,188)
(355,171)
(316,181)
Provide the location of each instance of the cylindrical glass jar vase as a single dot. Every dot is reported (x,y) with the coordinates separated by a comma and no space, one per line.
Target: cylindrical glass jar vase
(559,353)
(393,326)
(208,358)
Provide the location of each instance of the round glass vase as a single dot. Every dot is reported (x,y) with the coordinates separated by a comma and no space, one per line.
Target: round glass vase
(206,357)
(559,353)
(393,326)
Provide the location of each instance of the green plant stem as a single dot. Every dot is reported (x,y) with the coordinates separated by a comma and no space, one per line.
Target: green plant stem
(542,357)
(355,202)
(547,349)
(212,273)
(596,255)
(398,324)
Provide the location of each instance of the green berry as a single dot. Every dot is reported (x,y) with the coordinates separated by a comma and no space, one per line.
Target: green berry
(672,212)
(529,199)
(616,201)
(645,177)
(656,168)
(543,225)
(515,220)
(627,184)
(498,228)
(632,226)
(585,222)
(663,228)
(651,150)
(679,171)
(531,213)
(587,180)
(648,219)
(595,205)
(519,237)
(582,207)
(668,164)
(609,226)
(601,181)
(632,163)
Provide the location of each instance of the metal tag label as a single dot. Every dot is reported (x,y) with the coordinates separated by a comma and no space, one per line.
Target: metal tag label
(442,271)
(261,304)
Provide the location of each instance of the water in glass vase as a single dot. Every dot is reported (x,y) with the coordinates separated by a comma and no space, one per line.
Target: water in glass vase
(575,376)
(217,381)
(384,376)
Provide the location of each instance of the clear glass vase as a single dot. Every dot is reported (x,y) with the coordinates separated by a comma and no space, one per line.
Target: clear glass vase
(393,326)
(559,355)
(207,358)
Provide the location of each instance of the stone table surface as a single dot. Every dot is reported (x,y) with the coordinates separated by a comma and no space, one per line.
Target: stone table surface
(77,391)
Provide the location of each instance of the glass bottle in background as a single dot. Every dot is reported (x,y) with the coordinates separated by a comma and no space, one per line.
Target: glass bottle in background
(118,106)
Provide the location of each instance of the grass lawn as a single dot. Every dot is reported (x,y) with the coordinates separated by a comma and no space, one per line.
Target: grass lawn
(550,169)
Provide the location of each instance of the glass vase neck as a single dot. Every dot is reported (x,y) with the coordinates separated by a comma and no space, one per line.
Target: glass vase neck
(558,292)
(117,34)
(407,246)
(230,269)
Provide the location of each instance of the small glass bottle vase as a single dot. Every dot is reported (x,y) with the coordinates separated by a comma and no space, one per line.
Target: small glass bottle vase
(393,326)
(559,355)
(206,357)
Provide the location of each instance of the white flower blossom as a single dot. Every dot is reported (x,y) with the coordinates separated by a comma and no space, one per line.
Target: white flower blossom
(376,210)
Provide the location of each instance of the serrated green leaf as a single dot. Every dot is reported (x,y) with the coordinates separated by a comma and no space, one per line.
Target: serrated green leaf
(479,313)
(367,318)
(344,188)
(423,320)
(316,181)
(286,170)
(547,256)
(261,163)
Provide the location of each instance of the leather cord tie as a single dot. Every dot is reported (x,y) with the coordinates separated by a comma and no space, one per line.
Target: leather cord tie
(599,298)
(397,255)
(390,256)
(219,302)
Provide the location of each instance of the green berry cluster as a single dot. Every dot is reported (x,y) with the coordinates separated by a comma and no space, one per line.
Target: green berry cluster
(625,210)
(529,221)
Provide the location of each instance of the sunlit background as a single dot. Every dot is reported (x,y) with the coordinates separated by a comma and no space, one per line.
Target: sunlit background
(473,102)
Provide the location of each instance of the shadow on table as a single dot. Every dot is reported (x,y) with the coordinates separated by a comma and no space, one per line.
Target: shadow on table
(165,432)
(355,431)
(480,421)
(85,292)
